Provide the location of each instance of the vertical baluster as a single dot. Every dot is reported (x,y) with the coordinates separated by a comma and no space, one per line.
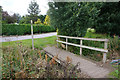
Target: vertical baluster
(104,54)
(80,47)
(66,42)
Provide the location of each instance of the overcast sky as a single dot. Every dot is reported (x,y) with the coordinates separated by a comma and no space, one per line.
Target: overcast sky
(21,6)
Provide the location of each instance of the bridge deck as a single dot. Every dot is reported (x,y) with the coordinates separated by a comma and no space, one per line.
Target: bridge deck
(87,67)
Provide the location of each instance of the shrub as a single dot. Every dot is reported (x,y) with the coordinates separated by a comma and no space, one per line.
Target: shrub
(91,30)
(12,29)
(95,55)
(108,20)
(114,47)
(38,22)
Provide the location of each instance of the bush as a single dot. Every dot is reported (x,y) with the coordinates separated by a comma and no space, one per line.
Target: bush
(108,20)
(12,29)
(91,30)
(114,48)
(95,55)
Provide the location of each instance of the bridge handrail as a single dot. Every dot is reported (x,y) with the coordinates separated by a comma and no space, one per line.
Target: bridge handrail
(83,46)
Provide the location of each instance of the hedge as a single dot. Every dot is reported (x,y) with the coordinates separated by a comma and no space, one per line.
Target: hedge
(22,29)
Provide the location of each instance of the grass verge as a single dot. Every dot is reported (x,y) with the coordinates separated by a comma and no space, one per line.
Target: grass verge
(39,42)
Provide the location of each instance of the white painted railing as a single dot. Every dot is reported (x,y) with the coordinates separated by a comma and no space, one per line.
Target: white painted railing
(83,46)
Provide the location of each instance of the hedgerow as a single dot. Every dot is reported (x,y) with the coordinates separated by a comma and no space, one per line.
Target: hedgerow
(13,29)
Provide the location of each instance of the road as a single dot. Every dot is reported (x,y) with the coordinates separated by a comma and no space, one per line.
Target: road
(15,38)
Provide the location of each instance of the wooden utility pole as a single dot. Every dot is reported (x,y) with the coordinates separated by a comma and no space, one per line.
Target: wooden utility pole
(32,35)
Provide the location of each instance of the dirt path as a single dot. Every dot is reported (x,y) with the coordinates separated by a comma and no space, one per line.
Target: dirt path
(86,66)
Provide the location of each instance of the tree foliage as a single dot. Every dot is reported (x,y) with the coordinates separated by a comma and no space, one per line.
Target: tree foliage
(109,19)
(25,19)
(6,18)
(0,20)
(38,22)
(42,18)
(0,15)
(33,10)
(73,19)
(78,16)
(47,20)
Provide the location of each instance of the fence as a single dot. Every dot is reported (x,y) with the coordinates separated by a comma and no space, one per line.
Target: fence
(83,46)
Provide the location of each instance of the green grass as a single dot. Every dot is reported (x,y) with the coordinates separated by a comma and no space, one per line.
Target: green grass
(115,73)
(38,42)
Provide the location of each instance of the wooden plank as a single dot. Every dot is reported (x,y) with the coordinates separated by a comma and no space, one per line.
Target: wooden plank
(92,48)
(92,39)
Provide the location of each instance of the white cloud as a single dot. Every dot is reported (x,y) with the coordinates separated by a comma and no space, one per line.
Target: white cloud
(21,6)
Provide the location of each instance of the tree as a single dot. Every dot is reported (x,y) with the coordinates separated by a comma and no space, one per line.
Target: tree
(25,19)
(6,18)
(73,17)
(108,21)
(16,17)
(33,10)
(38,22)
(42,18)
(0,20)
(47,20)
(0,14)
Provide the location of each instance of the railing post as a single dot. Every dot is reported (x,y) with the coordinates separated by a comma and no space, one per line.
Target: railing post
(66,42)
(80,47)
(57,41)
(104,54)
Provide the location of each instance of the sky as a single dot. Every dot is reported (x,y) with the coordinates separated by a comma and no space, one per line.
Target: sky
(21,6)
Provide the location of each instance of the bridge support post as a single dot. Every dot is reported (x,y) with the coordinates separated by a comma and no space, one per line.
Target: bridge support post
(57,41)
(104,54)
(80,47)
(66,42)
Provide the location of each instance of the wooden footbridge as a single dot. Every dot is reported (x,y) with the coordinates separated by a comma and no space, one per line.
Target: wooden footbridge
(86,66)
